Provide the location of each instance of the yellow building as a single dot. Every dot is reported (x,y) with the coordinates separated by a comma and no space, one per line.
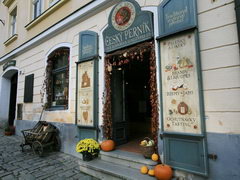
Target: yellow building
(164,69)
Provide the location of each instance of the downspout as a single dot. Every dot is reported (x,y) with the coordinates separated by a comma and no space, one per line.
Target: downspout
(237,9)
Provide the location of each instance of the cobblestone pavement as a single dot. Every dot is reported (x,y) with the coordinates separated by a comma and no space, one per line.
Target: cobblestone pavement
(18,165)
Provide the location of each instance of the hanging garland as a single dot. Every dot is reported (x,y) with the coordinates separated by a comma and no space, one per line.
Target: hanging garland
(107,113)
(120,58)
(154,98)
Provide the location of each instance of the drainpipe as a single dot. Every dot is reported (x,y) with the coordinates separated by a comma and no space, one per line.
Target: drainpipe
(237,9)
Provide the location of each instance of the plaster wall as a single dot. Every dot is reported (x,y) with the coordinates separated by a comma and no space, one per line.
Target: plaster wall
(219,49)
(34,61)
(4,94)
(220,65)
(24,18)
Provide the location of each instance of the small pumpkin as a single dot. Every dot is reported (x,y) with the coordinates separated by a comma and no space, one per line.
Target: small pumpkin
(107,145)
(144,170)
(163,172)
(151,172)
(154,157)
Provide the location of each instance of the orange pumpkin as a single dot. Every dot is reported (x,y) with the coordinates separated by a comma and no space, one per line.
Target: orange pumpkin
(107,145)
(163,172)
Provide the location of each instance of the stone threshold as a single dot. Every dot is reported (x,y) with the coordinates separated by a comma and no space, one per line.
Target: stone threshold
(129,156)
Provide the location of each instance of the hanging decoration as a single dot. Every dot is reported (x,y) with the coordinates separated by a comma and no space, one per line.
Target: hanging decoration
(119,59)
(47,86)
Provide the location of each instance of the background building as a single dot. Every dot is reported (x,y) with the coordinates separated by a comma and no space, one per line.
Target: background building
(63,53)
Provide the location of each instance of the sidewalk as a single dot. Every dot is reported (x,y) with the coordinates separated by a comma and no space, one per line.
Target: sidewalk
(18,165)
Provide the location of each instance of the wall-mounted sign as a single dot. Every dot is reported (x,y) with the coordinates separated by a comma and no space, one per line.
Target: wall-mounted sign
(127,25)
(88,45)
(8,64)
(85,94)
(181,107)
(176,16)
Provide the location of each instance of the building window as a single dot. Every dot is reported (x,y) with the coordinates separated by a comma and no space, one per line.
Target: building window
(13,22)
(37,8)
(52,2)
(58,79)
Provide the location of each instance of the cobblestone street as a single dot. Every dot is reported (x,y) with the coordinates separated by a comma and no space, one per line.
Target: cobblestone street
(15,164)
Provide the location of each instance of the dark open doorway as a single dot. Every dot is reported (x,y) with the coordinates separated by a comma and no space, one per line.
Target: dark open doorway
(131,108)
(137,100)
(12,101)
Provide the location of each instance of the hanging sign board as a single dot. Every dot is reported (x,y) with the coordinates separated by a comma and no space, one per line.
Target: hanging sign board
(176,16)
(8,64)
(88,45)
(181,106)
(85,94)
(127,25)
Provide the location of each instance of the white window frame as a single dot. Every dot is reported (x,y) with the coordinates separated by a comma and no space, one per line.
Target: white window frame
(13,22)
(53,2)
(37,7)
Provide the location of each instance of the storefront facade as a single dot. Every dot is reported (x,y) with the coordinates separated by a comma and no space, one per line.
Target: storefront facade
(125,70)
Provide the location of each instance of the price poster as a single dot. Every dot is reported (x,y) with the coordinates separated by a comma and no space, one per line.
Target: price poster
(181,108)
(85,94)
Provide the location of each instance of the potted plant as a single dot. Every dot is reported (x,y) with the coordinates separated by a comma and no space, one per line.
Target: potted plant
(89,148)
(9,130)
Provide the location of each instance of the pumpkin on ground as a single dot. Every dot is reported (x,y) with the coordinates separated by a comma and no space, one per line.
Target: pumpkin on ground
(163,172)
(154,157)
(151,172)
(107,145)
(144,169)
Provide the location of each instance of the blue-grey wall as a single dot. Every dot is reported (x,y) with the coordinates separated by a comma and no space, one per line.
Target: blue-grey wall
(227,164)
(69,134)
(227,149)
(225,146)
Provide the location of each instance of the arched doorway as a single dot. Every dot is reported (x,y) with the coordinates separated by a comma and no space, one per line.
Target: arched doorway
(8,96)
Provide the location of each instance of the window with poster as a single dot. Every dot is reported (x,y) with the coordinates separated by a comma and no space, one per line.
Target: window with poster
(57,76)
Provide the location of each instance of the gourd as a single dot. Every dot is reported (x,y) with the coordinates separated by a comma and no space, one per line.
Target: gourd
(144,169)
(154,157)
(107,145)
(163,172)
(151,172)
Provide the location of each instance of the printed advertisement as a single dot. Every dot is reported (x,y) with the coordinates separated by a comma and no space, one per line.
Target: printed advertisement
(181,109)
(85,94)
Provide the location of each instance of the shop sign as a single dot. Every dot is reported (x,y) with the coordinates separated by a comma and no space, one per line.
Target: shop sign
(181,106)
(127,25)
(8,64)
(85,94)
(88,45)
(176,16)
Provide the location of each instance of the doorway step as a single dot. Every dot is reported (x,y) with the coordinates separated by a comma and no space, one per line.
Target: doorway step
(117,165)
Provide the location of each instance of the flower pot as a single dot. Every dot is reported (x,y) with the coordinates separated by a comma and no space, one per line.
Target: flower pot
(8,133)
(88,156)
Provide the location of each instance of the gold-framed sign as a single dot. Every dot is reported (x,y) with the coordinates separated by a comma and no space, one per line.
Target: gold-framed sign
(180,86)
(85,94)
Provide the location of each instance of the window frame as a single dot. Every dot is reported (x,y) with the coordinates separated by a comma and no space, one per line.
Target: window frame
(50,4)
(13,22)
(53,72)
(37,8)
